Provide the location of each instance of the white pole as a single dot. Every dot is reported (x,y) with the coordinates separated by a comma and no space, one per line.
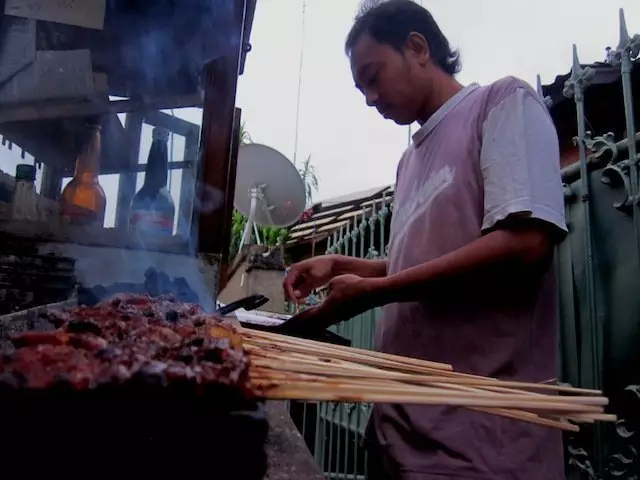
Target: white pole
(297,127)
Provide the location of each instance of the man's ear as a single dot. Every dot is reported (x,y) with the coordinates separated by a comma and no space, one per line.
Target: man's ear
(416,46)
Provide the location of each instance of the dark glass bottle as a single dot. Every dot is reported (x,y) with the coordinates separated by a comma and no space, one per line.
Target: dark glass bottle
(83,199)
(152,208)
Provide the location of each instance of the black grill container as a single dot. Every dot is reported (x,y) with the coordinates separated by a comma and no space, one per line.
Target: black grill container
(142,427)
(28,279)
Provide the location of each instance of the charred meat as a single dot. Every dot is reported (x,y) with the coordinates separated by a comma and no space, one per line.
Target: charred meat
(128,338)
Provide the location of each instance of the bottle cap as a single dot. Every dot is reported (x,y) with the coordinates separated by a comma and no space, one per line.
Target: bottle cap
(25,171)
(160,133)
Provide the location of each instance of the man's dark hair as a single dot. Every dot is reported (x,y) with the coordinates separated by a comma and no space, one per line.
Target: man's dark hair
(392,21)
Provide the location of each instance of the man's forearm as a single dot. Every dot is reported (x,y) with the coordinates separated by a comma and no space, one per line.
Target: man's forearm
(496,255)
(359,266)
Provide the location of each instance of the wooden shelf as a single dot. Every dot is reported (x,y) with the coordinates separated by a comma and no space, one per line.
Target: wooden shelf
(47,110)
(41,232)
(156,56)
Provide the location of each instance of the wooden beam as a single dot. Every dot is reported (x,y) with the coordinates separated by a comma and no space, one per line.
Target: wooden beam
(128,179)
(53,110)
(212,221)
(188,185)
(176,125)
(231,191)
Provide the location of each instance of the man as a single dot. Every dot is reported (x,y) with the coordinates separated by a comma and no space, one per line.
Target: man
(469,279)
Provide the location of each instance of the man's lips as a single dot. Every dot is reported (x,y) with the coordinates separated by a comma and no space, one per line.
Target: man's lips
(384,112)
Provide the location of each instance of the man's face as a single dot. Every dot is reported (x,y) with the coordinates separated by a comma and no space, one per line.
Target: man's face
(386,79)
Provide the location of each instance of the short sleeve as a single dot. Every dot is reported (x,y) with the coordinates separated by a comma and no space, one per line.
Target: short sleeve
(520,162)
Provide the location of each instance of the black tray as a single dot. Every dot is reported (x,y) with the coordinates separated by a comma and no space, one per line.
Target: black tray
(324,336)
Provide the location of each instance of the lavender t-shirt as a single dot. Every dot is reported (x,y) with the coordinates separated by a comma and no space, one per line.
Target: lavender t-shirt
(488,153)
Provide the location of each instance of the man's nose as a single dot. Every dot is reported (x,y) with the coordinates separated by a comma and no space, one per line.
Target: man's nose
(371,97)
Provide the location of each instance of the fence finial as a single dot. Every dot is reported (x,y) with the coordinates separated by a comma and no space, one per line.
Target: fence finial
(627,45)
(579,80)
(624,33)
(577,68)
(539,86)
(547,100)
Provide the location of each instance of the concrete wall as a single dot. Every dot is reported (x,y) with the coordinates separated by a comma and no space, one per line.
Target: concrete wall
(256,281)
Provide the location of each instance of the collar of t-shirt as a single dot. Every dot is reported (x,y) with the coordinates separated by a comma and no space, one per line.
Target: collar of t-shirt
(442,112)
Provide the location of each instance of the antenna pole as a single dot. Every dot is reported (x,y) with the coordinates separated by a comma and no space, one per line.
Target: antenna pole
(295,144)
(255,193)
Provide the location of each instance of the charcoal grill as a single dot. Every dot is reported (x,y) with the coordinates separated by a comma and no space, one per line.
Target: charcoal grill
(28,280)
(142,428)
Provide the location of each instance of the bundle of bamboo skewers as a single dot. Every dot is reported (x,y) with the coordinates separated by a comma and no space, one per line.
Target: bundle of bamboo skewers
(290,368)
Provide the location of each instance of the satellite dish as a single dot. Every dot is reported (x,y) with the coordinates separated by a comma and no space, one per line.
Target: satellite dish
(269,190)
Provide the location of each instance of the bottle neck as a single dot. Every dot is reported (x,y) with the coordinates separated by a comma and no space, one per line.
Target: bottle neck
(88,161)
(156,172)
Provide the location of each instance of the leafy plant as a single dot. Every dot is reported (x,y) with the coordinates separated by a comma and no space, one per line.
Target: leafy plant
(245,137)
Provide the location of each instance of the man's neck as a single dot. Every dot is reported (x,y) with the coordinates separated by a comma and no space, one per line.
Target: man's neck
(443,88)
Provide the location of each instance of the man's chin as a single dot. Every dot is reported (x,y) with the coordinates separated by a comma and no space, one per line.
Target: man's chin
(401,121)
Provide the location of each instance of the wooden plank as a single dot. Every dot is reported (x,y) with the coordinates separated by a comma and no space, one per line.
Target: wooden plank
(188,185)
(91,107)
(128,179)
(212,220)
(174,124)
(40,232)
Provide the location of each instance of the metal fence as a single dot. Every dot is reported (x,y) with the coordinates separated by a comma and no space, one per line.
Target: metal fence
(599,269)
(334,431)
(599,273)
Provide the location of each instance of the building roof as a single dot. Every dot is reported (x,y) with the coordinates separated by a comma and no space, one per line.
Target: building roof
(329,215)
(603,102)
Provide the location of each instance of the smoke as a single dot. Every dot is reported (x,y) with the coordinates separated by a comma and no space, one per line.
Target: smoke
(173,40)
(208,200)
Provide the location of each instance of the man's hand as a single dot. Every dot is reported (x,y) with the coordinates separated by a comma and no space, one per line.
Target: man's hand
(347,296)
(303,277)
(316,272)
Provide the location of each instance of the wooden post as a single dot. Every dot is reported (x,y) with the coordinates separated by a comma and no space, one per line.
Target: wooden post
(127,183)
(188,183)
(211,223)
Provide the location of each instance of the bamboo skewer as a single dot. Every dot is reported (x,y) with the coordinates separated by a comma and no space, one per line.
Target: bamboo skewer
(401,387)
(356,370)
(279,343)
(350,351)
(261,375)
(284,367)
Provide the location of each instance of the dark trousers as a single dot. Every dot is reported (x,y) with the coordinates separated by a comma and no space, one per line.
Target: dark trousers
(376,469)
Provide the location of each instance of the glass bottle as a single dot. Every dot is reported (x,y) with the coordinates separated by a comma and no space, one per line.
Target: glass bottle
(152,208)
(83,201)
(24,204)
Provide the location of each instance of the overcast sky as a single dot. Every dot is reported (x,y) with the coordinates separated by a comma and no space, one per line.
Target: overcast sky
(352,147)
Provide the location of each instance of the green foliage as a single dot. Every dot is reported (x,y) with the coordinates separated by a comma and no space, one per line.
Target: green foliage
(244,135)
(270,236)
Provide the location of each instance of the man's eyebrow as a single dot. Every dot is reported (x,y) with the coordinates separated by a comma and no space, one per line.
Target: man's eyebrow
(362,72)
(364,69)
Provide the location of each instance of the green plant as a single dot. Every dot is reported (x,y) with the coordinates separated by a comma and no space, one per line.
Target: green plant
(244,135)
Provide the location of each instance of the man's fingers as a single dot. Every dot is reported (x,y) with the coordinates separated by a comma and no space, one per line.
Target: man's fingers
(290,281)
